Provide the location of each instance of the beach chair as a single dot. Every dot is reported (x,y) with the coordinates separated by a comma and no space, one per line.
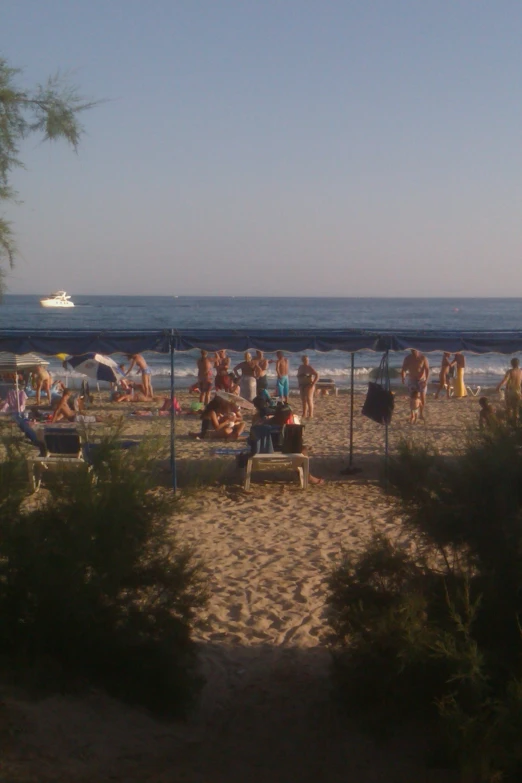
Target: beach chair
(327,384)
(61,450)
(291,456)
(299,462)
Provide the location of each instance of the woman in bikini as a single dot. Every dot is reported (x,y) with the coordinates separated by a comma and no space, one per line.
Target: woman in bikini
(307,378)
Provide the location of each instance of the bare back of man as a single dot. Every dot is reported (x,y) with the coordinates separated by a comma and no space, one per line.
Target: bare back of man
(282,367)
(417,368)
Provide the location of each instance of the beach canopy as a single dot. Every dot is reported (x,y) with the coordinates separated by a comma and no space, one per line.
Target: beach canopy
(81,341)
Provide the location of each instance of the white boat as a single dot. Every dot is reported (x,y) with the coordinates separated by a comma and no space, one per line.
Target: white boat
(58,299)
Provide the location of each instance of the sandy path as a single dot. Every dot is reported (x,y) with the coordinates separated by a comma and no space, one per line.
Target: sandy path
(265,713)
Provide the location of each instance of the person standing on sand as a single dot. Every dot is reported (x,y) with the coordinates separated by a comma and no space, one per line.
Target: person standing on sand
(204,378)
(247,381)
(417,368)
(282,383)
(512,380)
(307,378)
(43,382)
(444,376)
(138,361)
(262,368)
(459,388)
(222,366)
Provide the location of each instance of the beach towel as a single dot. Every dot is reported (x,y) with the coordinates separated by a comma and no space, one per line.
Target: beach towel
(228,450)
(11,405)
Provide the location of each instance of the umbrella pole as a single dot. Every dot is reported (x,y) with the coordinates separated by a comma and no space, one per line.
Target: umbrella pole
(352,372)
(17,393)
(386,439)
(172,419)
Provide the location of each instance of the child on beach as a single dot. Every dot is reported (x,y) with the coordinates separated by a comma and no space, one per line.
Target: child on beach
(416,412)
(487,415)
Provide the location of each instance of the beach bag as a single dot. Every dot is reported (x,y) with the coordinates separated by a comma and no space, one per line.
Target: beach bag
(379,402)
(292,442)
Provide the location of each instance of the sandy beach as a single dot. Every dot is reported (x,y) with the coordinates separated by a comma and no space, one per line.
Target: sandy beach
(265,713)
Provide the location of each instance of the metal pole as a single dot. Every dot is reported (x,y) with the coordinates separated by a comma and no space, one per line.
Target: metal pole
(387,387)
(352,372)
(172,418)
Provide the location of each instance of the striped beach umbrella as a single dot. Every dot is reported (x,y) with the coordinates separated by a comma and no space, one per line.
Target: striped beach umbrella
(96,366)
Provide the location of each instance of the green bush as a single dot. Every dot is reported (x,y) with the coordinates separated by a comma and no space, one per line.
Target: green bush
(434,628)
(93,579)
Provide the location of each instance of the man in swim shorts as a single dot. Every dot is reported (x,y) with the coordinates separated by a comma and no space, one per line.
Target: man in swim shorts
(417,368)
(282,384)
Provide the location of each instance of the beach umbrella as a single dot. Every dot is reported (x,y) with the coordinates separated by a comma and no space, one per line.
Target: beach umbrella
(236,399)
(96,366)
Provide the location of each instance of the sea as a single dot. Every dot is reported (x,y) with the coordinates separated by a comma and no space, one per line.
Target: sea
(185,312)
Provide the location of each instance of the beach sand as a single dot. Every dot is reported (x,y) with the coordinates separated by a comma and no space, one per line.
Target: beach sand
(266,712)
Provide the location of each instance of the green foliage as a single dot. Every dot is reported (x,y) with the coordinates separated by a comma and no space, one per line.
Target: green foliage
(434,628)
(51,110)
(94,580)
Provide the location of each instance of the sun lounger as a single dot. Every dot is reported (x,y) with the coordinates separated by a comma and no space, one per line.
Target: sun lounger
(299,462)
(61,449)
(327,384)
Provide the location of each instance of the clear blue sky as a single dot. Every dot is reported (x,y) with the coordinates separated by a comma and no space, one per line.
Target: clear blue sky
(264,147)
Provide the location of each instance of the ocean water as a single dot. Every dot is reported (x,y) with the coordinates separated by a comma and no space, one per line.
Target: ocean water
(165,312)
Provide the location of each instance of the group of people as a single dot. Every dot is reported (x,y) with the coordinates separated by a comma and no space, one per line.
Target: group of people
(249,378)
(415,372)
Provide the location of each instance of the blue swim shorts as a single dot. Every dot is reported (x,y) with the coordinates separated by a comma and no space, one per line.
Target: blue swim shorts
(282,386)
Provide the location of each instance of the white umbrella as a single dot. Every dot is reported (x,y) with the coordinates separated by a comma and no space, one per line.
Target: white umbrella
(235,398)
(96,366)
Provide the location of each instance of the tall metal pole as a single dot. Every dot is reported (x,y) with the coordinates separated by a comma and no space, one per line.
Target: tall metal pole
(387,387)
(352,373)
(172,418)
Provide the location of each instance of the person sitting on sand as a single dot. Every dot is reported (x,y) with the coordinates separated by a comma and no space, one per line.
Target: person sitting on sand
(63,410)
(487,415)
(307,377)
(416,411)
(130,396)
(142,366)
(220,419)
(512,380)
(444,375)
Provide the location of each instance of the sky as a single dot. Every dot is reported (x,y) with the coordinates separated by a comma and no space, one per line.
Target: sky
(274,147)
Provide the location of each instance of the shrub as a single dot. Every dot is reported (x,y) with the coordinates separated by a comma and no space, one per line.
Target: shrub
(93,579)
(434,629)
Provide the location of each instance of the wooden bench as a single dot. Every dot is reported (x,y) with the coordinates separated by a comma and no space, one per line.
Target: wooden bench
(299,462)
